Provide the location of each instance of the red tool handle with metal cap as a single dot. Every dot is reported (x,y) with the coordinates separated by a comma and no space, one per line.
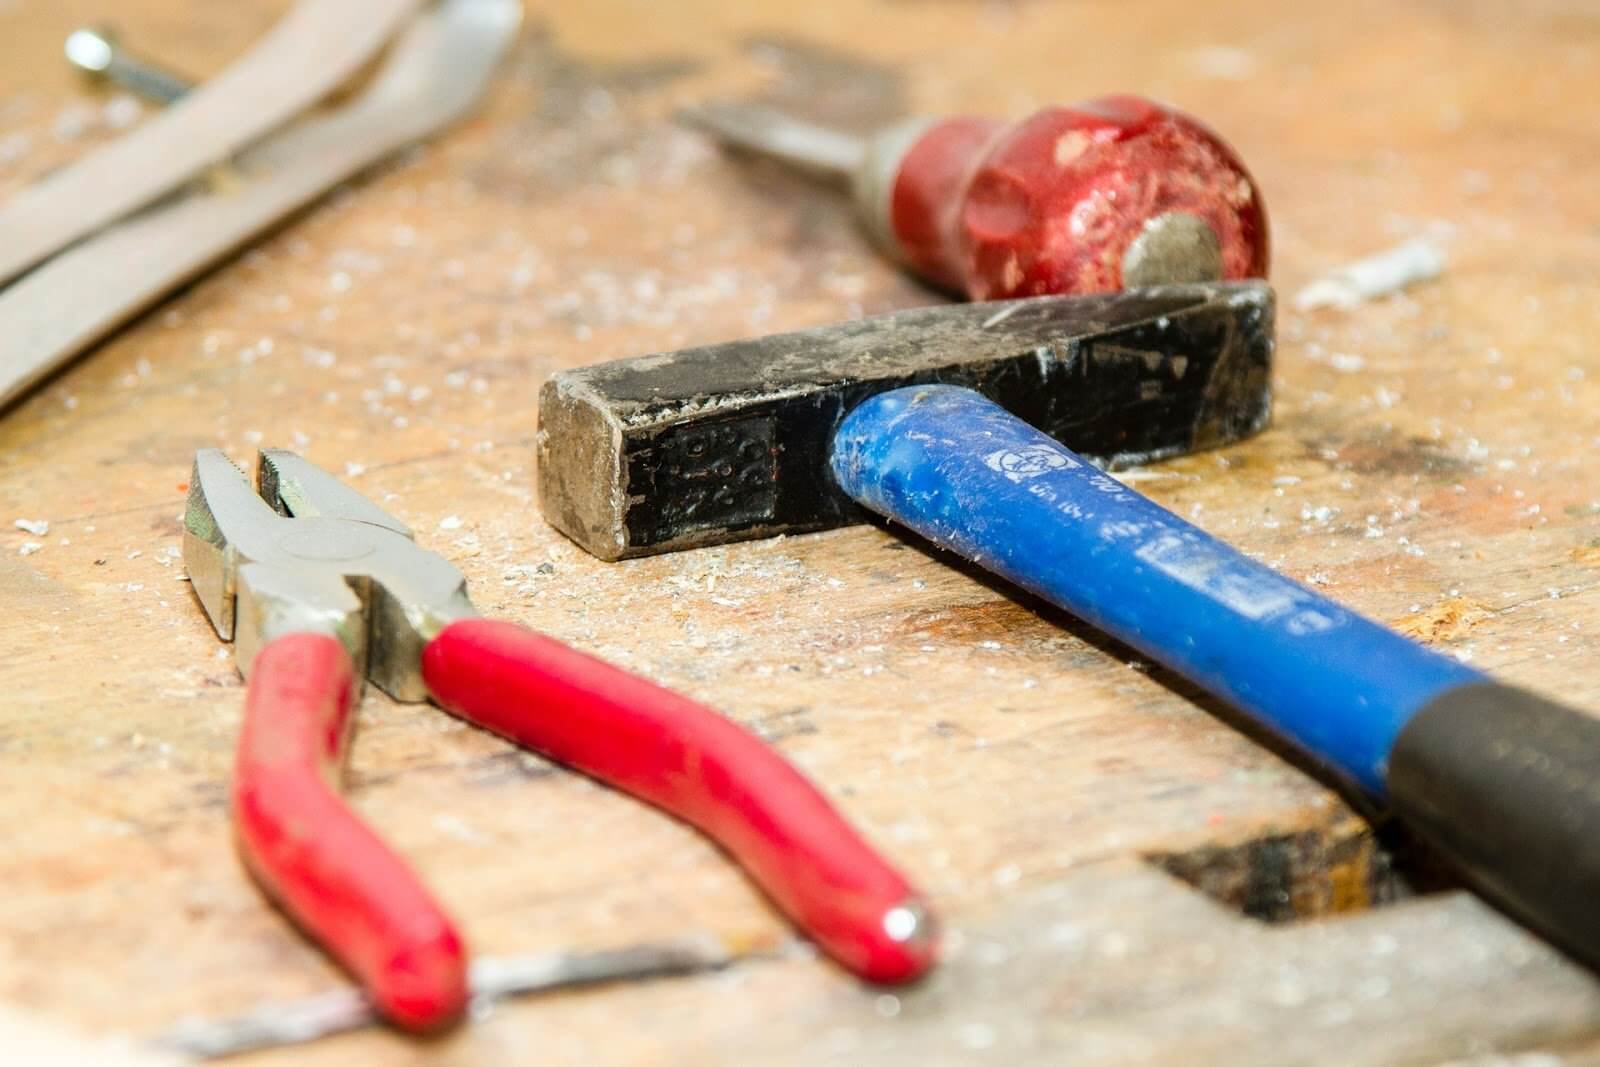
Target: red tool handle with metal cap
(316,857)
(1112,193)
(689,761)
(280,576)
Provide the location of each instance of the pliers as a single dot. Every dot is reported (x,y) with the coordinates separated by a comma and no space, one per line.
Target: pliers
(319,588)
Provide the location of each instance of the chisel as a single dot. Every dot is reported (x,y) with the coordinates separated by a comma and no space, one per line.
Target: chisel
(1110,193)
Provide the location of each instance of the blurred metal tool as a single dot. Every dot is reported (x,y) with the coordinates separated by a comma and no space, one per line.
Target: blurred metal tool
(121,263)
(310,52)
(493,978)
(98,52)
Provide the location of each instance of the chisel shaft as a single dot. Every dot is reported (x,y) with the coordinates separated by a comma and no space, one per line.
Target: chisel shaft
(822,150)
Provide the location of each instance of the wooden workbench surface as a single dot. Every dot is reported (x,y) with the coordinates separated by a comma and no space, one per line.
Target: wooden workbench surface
(1435,462)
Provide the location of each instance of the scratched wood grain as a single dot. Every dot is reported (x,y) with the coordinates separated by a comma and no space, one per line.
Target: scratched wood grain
(1434,463)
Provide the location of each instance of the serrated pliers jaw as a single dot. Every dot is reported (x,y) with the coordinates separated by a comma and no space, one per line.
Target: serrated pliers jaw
(304,552)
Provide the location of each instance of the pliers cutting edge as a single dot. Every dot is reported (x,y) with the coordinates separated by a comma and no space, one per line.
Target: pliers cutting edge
(320,588)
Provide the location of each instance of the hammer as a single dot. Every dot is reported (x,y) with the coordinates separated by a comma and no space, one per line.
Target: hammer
(982,427)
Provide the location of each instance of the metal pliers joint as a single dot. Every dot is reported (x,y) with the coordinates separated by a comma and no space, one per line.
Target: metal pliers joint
(308,553)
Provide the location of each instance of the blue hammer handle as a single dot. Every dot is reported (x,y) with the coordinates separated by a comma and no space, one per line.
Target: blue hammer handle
(1501,780)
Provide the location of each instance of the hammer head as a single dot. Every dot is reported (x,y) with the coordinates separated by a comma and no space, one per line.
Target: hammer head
(731,442)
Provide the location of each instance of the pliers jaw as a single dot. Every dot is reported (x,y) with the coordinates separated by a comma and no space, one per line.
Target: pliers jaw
(308,554)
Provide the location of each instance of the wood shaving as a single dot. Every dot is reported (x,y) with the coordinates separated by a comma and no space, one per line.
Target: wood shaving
(1444,621)
(1417,260)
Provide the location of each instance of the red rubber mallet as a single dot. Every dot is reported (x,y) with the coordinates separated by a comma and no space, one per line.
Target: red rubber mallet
(1112,193)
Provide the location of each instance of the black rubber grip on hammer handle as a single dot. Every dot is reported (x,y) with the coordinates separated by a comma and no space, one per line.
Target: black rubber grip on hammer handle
(1506,784)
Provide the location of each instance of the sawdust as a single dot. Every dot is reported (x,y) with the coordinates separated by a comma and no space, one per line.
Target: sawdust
(1447,620)
(1589,554)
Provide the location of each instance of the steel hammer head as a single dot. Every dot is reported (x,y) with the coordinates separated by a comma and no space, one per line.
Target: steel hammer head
(730,442)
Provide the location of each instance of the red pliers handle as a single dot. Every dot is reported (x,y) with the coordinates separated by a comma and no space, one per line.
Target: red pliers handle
(327,868)
(353,894)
